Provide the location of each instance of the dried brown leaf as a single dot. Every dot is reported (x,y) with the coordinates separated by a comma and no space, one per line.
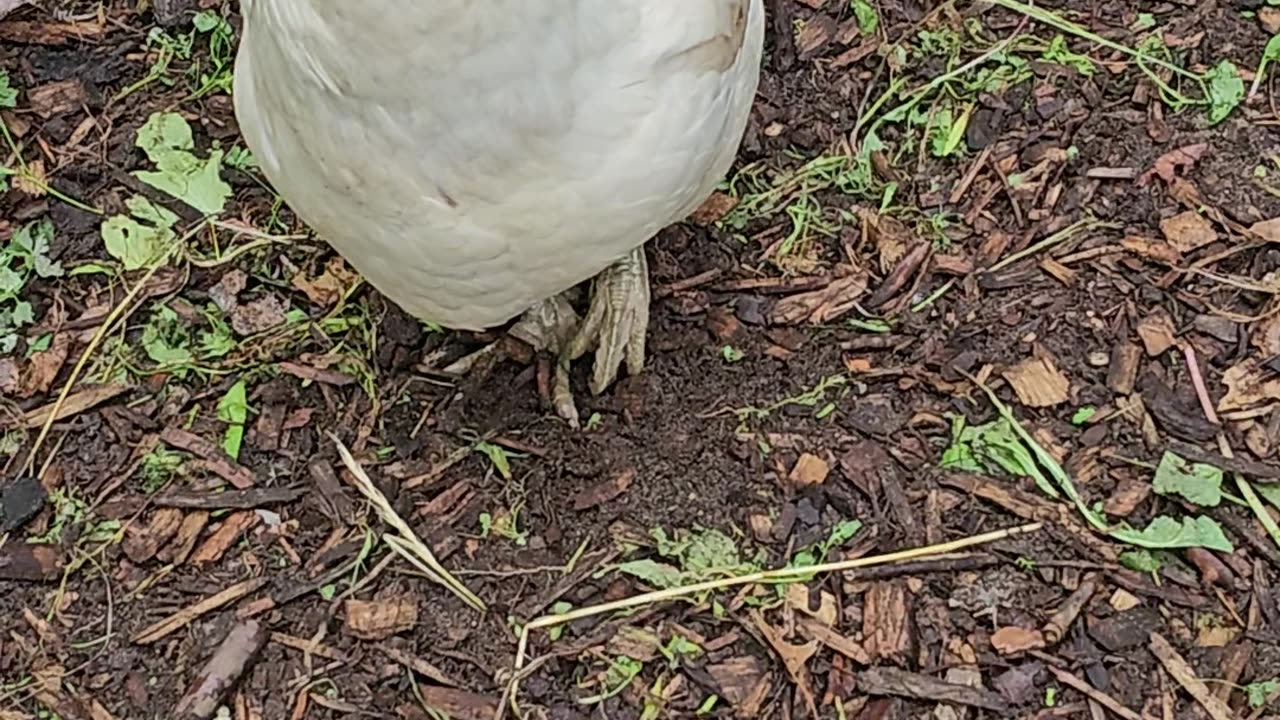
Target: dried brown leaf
(1188,230)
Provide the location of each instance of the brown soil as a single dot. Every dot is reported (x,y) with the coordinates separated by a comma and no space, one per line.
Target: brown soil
(679,447)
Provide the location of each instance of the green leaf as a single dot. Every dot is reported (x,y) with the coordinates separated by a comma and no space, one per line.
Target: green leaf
(1144,21)
(1165,533)
(677,648)
(1259,692)
(233,409)
(91,268)
(140,240)
(498,456)
(994,448)
(34,240)
(1197,482)
(656,574)
(167,141)
(1083,415)
(8,93)
(22,314)
(1142,561)
(710,551)
(1269,492)
(555,632)
(1060,54)
(946,133)
(868,19)
(1226,91)
(40,344)
(1271,52)
(11,282)
(207,21)
(164,341)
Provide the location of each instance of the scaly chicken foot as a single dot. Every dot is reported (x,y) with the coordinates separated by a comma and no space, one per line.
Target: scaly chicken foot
(616,324)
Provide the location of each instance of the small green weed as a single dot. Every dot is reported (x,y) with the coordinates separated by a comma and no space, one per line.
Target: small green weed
(24,257)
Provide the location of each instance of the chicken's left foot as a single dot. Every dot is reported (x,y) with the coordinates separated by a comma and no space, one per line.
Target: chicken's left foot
(616,324)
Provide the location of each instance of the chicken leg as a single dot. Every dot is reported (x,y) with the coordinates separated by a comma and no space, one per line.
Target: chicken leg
(616,323)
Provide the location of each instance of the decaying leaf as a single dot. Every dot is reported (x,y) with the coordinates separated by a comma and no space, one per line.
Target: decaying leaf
(258,315)
(1248,384)
(744,681)
(891,237)
(1268,230)
(327,288)
(1188,230)
(1166,166)
(714,209)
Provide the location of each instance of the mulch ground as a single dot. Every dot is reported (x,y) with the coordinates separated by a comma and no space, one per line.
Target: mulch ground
(984,276)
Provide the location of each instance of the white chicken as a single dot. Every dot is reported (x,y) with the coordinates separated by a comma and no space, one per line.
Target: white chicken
(475,159)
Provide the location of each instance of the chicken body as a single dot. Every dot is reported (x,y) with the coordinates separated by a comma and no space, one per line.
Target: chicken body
(473,159)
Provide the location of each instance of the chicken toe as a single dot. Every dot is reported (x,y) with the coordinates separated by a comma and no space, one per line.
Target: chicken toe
(550,325)
(616,324)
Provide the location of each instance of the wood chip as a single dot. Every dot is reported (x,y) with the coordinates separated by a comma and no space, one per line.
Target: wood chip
(216,461)
(77,402)
(227,534)
(713,209)
(900,683)
(817,604)
(1122,376)
(1128,496)
(142,542)
(380,619)
(458,704)
(229,500)
(824,305)
(215,681)
(50,692)
(187,615)
(886,622)
(1038,382)
(603,492)
(1156,331)
(833,639)
(58,98)
(809,470)
(30,563)
(1094,694)
(795,658)
(1014,640)
(420,666)
(43,33)
(179,549)
(1184,675)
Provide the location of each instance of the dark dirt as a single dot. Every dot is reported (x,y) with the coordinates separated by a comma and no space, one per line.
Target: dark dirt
(677,447)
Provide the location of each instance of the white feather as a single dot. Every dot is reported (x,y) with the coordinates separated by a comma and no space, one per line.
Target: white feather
(471,158)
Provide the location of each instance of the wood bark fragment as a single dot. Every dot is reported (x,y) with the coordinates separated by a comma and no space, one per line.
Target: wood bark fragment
(223,671)
(1182,673)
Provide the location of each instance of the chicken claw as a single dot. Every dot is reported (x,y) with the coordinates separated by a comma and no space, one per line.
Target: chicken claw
(616,323)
